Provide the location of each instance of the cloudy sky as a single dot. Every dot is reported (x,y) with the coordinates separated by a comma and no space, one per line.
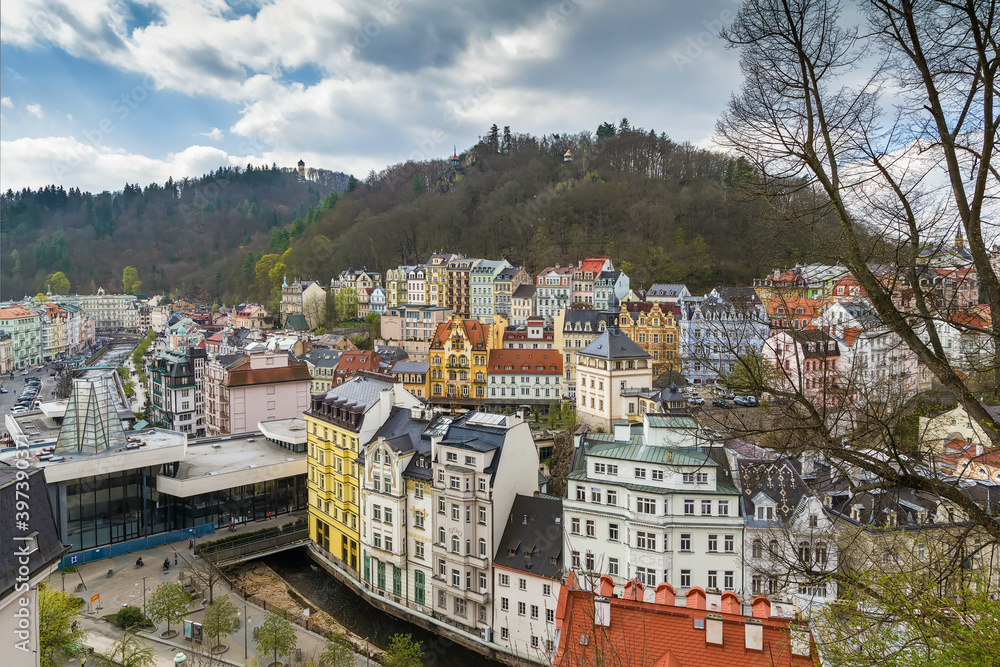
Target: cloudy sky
(94,93)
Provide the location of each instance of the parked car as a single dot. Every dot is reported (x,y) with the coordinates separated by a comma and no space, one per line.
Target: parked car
(696,400)
(3,390)
(722,403)
(746,401)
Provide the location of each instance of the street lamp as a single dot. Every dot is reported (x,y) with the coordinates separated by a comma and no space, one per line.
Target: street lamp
(246,629)
(143,598)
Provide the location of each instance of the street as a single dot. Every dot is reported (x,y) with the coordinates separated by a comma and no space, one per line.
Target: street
(15,386)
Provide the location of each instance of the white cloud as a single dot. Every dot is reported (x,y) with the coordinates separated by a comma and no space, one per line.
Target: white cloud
(34,110)
(215,134)
(32,162)
(5,102)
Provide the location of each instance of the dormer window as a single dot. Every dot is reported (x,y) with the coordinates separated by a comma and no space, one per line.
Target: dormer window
(765,513)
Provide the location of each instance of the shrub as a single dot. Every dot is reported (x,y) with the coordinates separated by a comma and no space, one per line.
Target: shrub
(128,617)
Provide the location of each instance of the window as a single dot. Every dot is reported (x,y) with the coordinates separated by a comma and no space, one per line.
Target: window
(591,529)
(388,515)
(522,584)
(442,536)
(504,634)
(504,604)
(418,550)
(611,497)
(646,577)
(685,541)
(685,578)
(505,580)
(595,495)
(546,590)
(657,475)
(713,543)
(728,580)
(723,508)
(613,532)
(550,615)
(702,478)
(452,456)
(522,608)
(575,559)
(613,567)
(612,469)
(689,506)
(640,473)
(456,544)
(460,606)
(456,578)
(482,515)
(713,579)
(706,507)
(581,493)
(482,484)
(758,548)
(470,460)
(600,468)
(687,477)
(456,482)
(456,514)
(574,526)
(645,505)
(765,513)
(644,540)
(590,561)
(729,543)
(376,513)
(805,553)
(534,611)
(418,519)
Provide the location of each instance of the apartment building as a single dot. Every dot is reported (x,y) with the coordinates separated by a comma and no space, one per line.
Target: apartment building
(607,366)
(25,330)
(436,279)
(482,279)
(458,285)
(584,277)
(554,291)
(241,390)
(412,326)
(339,424)
(655,328)
(459,353)
(175,385)
(522,304)
(647,502)
(504,286)
(575,329)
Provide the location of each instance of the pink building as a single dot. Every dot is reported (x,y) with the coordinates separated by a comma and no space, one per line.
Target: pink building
(808,362)
(584,276)
(241,390)
(412,327)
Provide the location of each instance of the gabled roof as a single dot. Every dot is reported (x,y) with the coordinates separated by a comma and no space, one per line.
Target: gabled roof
(524,291)
(665,289)
(777,479)
(475,331)
(613,344)
(297,322)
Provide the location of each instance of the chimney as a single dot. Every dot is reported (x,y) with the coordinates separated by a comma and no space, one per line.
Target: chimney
(761,607)
(607,586)
(665,594)
(754,635)
(633,590)
(731,603)
(602,611)
(713,629)
(695,598)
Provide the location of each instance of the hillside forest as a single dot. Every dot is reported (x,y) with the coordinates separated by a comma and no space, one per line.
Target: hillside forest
(663,211)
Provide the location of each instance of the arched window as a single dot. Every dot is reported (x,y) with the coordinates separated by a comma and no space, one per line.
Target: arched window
(451,360)
(456,544)
(773,547)
(463,361)
(758,548)
(482,547)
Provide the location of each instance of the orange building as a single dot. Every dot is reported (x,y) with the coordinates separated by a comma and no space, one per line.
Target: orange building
(654,327)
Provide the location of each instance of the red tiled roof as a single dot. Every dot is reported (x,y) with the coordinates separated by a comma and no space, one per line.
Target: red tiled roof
(593,264)
(662,634)
(549,360)
(352,362)
(851,334)
(15,312)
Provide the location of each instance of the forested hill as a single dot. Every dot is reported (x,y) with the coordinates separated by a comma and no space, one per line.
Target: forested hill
(176,234)
(663,211)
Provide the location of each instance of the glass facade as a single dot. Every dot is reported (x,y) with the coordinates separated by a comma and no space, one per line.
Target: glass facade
(121,506)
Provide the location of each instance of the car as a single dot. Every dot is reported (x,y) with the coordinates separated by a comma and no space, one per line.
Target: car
(3,390)
(722,403)
(696,400)
(746,401)
(17,410)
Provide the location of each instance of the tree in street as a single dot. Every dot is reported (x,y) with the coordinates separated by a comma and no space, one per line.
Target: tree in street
(275,636)
(337,652)
(168,603)
(129,651)
(219,620)
(57,635)
(403,652)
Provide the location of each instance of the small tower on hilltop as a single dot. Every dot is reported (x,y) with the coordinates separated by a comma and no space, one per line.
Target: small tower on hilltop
(302,170)
(454,157)
(568,156)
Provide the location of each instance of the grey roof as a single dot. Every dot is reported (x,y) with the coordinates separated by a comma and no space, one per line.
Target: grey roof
(525,291)
(532,539)
(613,344)
(410,367)
(323,358)
(359,390)
(666,289)
(778,479)
(739,296)
(37,498)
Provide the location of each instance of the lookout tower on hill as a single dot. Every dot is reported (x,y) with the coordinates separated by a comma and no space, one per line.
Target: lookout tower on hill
(302,170)
(454,157)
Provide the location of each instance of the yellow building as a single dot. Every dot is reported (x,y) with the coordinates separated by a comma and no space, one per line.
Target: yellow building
(395,286)
(437,279)
(339,423)
(654,327)
(458,354)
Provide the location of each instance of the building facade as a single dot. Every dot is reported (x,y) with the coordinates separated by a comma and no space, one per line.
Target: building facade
(607,366)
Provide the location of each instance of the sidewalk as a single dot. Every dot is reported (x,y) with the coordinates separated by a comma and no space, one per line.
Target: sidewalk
(125,588)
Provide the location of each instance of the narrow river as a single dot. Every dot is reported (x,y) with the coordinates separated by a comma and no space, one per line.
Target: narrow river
(361,618)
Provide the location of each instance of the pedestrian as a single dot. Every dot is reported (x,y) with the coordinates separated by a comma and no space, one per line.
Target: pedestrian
(175,558)
(191,543)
